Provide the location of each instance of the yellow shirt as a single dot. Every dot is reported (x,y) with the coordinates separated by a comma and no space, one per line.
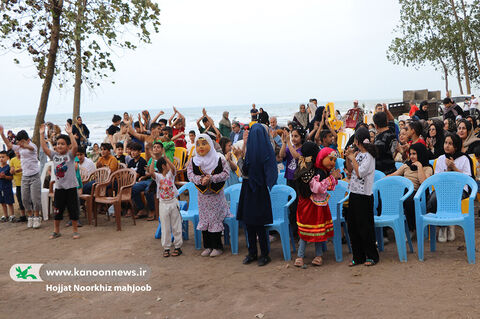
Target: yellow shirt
(17,177)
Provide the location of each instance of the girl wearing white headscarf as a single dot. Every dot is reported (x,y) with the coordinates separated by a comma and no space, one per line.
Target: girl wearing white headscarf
(209,170)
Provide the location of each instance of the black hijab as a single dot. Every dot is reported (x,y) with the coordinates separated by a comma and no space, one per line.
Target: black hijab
(439,139)
(457,144)
(422,156)
(306,169)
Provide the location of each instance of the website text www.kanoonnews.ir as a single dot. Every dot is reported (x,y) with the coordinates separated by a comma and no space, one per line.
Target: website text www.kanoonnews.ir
(60,278)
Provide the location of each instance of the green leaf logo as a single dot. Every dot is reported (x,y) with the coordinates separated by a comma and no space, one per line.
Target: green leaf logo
(24,274)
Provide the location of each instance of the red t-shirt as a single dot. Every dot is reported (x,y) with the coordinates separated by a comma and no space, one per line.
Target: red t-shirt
(179,142)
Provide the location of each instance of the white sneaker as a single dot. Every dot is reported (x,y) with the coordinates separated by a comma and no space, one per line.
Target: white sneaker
(30,222)
(451,233)
(442,234)
(11,219)
(216,252)
(206,252)
(36,222)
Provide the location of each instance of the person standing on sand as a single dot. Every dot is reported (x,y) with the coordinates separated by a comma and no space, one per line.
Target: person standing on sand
(31,185)
(259,171)
(209,170)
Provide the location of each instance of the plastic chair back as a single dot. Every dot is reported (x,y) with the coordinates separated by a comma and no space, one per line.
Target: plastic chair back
(180,157)
(281,180)
(340,192)
(192,195)
(340,164)
(392,192)
(279,196)
(398,165)
(233,192)
(378,176)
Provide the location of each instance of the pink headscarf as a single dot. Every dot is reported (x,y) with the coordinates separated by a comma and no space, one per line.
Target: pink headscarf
(324,152)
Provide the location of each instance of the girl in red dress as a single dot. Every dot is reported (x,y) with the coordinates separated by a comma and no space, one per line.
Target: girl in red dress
(314,176)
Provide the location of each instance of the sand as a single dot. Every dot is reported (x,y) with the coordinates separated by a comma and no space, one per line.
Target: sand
(190,286)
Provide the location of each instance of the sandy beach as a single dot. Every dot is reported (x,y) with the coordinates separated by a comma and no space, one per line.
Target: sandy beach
(444,286)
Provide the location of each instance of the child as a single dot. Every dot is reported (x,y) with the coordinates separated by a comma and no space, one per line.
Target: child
(31,185)
(95,154)
(6,192)
(178,128)
(16,171)
(168,144)
(65,195)
(209,170)
(119,153)
(313,179)
(106,159)
(139,164)
(359,216)
(190,141)
(168,207)
(290,151)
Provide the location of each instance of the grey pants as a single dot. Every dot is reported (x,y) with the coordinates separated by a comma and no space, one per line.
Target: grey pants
(31,192)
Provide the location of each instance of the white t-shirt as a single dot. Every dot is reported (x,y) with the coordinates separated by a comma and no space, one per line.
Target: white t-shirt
(363,183)
(474,103)
(28,159)
(88,165)
(462,163)
(166,189)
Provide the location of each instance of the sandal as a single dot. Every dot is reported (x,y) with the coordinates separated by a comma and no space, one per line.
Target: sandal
(317,261)
(166,253)
(151,218)
(353,263)
(76,236)
(176,252)
(139,216)
(370,262)
(299,262)
(55,235)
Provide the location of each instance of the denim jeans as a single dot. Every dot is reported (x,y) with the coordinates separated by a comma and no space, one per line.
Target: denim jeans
(302,244)
(142,187)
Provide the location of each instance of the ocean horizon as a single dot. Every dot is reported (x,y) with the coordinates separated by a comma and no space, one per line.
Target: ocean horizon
(98,122)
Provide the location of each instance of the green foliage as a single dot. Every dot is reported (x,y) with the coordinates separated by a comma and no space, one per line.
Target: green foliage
(104,27)
(429,34)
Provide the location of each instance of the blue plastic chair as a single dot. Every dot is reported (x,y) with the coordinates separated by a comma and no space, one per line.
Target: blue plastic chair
(280,209)
(393,190)
(378,176)
(339,164)
(431,162)
(335,202)
(398,165)
(281,180)
(449,188)
(191,214)
(231,231)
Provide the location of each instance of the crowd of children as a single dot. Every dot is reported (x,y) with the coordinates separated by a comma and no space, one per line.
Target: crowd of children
(218,157)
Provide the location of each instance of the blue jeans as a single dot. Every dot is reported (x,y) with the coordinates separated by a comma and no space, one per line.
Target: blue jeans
(142,187)
(302,244)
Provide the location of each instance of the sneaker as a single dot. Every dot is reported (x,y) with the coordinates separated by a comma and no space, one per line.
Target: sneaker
(30,222)
(451,233)
(442,234)
(216,252)
(36,222)
(206,252)
(3,219)
(12,219)
(22,219)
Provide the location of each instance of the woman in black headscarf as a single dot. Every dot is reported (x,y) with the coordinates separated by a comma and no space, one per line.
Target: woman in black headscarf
(435,139)
(416,169)
(259,172)
(263,117)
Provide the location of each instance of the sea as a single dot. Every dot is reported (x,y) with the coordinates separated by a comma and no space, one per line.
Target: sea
(98,122)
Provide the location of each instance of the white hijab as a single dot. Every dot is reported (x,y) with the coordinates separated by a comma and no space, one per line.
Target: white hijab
(208,162)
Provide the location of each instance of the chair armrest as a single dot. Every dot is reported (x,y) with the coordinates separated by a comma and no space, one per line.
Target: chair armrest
(344,199)
(182,189)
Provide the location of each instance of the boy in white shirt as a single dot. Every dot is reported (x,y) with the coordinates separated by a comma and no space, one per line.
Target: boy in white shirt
(168,208)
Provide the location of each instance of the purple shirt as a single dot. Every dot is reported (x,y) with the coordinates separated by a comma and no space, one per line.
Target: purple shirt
(291,164)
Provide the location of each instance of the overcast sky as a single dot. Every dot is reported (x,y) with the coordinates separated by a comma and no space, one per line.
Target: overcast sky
(223,52)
